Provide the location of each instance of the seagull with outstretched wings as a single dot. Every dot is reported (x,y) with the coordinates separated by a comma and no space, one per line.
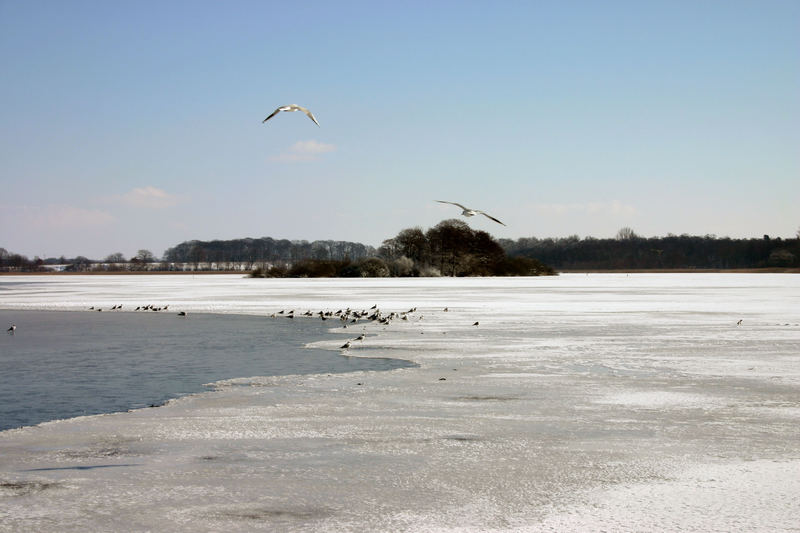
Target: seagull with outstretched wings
(467,212)
(292,107)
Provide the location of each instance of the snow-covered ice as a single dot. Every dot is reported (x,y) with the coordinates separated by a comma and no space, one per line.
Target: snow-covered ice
(579,403)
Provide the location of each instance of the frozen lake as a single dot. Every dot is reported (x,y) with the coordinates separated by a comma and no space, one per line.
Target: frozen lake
(579,403)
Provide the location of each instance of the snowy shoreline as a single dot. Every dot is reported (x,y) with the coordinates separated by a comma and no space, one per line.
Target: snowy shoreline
(578,403)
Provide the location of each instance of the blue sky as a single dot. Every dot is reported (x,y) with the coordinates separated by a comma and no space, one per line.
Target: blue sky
(129,125)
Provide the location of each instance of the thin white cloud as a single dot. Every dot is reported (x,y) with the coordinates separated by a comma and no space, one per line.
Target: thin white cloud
(612,208)
(304,151)
(149,197)
(56,217)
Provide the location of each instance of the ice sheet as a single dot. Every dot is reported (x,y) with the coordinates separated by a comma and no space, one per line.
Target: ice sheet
(579,403)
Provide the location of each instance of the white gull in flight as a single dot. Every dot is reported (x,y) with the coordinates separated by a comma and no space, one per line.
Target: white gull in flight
(467,212)
(292,107)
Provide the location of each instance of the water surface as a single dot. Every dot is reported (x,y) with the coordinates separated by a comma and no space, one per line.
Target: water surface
(61,364)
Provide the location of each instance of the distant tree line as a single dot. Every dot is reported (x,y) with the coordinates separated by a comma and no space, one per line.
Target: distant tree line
(10,262)
(629,251)
(237,254)
(116,262)
(265,250)
(451,248)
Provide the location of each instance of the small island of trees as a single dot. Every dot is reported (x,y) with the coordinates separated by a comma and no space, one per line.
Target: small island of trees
(451,248)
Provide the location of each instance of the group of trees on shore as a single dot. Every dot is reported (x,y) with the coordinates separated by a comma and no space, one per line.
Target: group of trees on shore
(451,248)
(116,262)
(265,250)
(629,251)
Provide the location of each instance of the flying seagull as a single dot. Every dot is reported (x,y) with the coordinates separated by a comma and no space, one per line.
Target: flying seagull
(292,107)
(467,212)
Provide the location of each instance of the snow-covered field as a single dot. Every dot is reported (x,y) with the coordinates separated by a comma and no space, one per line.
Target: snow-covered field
(579,403)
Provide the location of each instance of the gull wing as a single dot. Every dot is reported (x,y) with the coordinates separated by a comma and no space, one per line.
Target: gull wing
(453,203)
(272,115)
(307,112)
(491,217)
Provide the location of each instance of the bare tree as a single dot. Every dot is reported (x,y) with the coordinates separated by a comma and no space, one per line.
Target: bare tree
(116,257)
(626,234)
(145,256)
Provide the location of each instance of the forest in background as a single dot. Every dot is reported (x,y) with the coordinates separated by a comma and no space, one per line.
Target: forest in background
(451,248)
(629,251)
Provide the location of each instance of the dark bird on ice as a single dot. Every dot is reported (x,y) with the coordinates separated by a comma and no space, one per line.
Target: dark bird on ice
(292,107)
(345,346)
(468,212)
(476,323)
(182,313)
(12,329)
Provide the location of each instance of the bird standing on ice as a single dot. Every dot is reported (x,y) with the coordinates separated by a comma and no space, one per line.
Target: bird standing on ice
(12,329)
(467,212)
(292,107)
